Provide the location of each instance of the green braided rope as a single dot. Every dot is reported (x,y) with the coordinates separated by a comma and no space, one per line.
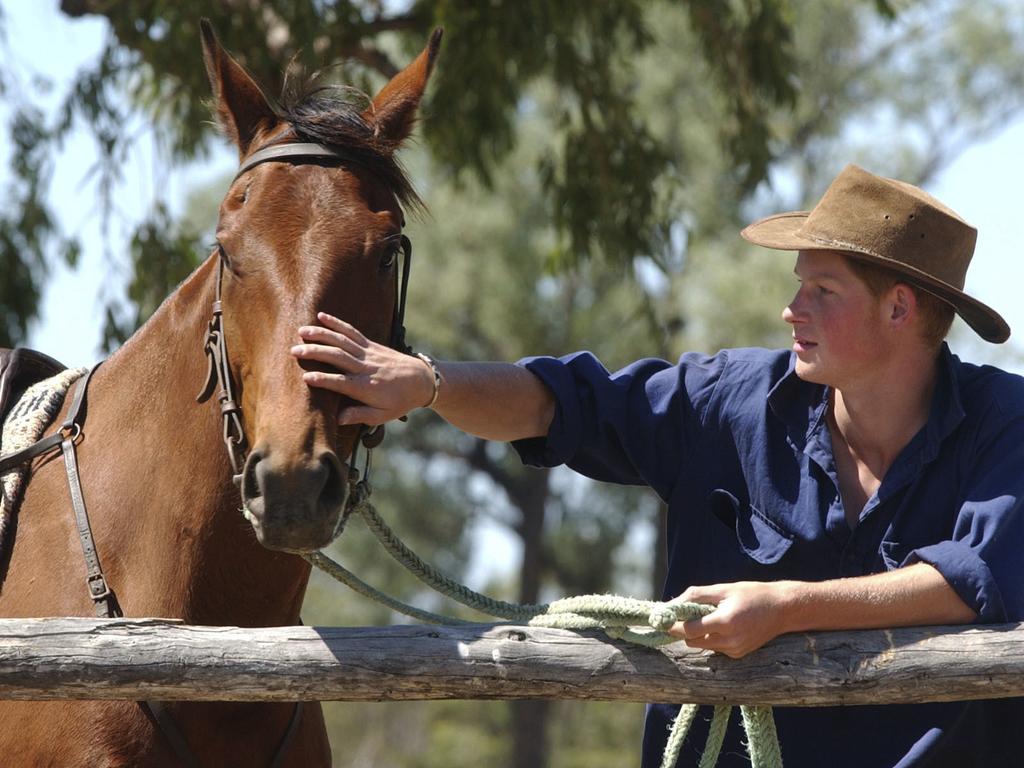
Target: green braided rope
(642,622)
(677,734)
(764,741)
(340,573)
(716,736)
(437,580)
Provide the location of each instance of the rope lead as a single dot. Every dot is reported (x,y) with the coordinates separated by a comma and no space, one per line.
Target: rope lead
(641,622)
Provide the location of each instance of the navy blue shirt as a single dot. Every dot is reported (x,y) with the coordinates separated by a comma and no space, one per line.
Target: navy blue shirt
(738,447)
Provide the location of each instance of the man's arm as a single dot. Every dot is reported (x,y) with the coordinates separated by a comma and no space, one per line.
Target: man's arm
(495,401)
(751,613)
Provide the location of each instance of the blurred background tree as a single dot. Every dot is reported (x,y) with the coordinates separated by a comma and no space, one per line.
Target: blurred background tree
(587,167)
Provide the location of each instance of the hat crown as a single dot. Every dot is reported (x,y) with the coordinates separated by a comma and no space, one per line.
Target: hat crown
(895,222)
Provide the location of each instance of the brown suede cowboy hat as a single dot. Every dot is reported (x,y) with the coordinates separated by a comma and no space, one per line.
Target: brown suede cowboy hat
(892,224)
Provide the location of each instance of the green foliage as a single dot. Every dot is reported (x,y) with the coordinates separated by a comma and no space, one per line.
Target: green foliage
(601,166)
(751,44)
(28,229)
(162,255)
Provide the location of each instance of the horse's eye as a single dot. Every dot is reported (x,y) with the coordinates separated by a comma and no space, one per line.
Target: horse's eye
(387,261)
(224,255)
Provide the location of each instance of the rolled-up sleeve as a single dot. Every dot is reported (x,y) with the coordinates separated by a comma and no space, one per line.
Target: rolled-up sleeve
(983,561)
(634,426)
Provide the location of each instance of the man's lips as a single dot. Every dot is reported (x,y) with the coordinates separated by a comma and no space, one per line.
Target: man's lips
(801,344)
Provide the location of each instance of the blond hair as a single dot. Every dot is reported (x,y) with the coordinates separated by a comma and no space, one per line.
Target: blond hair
(936,314)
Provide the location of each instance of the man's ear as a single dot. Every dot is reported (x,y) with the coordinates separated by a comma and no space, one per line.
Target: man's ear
(242,108)
(393,112)
(902,301)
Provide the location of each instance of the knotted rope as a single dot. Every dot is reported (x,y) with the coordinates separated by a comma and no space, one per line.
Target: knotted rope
(642,622)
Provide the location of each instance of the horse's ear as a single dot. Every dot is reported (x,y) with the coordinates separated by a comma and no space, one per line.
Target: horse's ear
(394,110)
(241,106)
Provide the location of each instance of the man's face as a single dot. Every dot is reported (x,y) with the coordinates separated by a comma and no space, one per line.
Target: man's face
(838,326)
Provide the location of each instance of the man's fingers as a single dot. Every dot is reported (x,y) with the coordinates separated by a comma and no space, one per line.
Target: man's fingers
(340,326)
(699,633)
(332,382)
(696,634)
(341,359)
(698,627)
(316,335)
(711,594)
(706,642)
(689,629)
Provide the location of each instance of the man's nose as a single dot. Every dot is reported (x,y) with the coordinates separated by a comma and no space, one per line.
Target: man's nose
(790,312)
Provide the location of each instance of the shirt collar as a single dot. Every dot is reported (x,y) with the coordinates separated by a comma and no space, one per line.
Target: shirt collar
(800,405)
(947,406)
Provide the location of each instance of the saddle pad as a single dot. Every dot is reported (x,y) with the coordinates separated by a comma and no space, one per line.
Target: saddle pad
(26,423)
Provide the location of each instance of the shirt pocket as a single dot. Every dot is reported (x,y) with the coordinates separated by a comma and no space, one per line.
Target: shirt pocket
(761,539)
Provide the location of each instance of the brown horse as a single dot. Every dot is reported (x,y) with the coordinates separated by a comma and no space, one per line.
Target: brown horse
(295,235)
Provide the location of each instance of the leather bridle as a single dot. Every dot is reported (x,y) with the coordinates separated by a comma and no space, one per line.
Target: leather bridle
(215,347)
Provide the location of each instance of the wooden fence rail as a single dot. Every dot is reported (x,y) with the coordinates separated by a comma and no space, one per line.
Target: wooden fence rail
(72,658)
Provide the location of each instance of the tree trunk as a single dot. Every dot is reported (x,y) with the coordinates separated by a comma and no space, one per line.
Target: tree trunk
(530,747)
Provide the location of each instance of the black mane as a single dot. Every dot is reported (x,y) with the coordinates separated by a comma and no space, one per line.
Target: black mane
(333,115)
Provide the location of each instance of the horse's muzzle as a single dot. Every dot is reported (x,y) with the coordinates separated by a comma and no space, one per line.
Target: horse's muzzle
(294,505)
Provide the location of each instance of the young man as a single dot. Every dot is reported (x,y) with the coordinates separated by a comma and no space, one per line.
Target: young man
(867,478)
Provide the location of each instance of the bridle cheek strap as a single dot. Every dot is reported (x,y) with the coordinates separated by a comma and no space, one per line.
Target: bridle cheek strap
(218,365)
(402,290)
(218,372)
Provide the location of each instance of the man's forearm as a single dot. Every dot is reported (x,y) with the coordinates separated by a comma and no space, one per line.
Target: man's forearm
(750,613)
(495,401)
(916,595)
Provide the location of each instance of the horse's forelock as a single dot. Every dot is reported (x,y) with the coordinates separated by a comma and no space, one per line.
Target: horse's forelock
(333,115)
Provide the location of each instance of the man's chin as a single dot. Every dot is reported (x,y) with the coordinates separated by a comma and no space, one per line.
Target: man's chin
(809,371)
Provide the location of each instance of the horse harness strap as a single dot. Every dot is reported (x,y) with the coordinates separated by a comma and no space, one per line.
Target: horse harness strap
(47,444)
(65,438)
(218,371)
(161,716)
(292,152)
(19,369)
(103,598)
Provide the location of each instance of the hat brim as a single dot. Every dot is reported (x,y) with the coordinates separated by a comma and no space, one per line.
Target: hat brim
(782,232)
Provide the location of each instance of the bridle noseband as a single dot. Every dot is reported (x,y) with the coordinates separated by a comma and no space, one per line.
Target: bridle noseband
(215,346)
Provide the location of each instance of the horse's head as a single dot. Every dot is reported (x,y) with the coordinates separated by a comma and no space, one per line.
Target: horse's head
(297,235)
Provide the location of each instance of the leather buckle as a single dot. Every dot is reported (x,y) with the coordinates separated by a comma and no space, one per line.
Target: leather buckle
(98,589)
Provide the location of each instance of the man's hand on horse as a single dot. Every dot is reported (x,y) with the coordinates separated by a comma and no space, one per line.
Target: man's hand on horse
(747,615)
(385,383)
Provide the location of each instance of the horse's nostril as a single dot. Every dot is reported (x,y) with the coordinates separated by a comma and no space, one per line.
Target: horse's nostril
(334,490)
(250,480)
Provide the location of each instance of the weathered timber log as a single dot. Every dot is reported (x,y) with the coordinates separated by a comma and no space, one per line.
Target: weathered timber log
(73,658)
